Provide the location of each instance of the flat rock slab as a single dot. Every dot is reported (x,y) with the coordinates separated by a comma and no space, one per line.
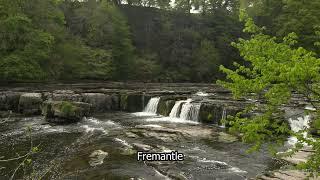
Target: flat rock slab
(300,156)
(287,175)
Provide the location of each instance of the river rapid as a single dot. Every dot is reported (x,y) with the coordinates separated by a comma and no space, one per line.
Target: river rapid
(104,147)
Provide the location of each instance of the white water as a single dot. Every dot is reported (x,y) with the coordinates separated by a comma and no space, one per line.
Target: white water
(170,120)
(175,111)
(190,111)
(202,94)
(152,105)
(296,125)
(223,117)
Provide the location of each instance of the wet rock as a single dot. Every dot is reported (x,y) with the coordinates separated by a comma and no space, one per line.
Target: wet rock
(142,147)
(131,102)
(30,103)
(65,95)
(176,133)
(65,112)
(210,113)
(161,136)
(131,135)
(127,151)
(300,156)
(10,101)
(165,106)
(115,99)
(286,175)
(224,137)
(100,102)
(97,157)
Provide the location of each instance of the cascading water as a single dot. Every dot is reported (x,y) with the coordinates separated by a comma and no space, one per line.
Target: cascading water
(296,125)
(223,117)
(175,111)
(152,105)
(190,111)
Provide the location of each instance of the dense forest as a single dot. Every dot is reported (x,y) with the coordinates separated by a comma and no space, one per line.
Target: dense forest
(158,41)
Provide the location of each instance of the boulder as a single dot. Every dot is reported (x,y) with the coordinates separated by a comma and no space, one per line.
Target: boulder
(100,102)
(65,112)
(30,103)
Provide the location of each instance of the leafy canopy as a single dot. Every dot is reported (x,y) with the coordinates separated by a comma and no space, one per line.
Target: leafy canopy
(275,69)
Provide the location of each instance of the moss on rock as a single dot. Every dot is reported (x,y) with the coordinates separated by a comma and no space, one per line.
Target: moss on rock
(210,113)
(131,102)
(65,111)
(165,106)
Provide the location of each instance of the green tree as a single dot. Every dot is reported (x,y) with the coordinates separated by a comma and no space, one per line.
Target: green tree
(206,61)
(103,26)
(284,17)
(275,70)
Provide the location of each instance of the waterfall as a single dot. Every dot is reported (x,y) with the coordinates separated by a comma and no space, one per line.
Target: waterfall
(152,105)
(190,111)
(175,111)
(299,124)
(223,117)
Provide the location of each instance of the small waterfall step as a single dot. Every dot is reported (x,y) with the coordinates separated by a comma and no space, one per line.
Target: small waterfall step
(223,117)
(175,111)
(152,105)
(190,111)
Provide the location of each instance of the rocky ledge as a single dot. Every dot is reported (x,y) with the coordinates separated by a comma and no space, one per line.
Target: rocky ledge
(290,172)
(73,103)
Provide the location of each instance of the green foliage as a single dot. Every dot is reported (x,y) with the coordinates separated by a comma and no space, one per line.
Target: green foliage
(206,61)
(146,67)
(274,70)
(67,108)
(13,67)
(103,27)
(284,17)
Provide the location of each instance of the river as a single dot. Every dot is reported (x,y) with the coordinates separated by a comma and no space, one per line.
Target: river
(65,149)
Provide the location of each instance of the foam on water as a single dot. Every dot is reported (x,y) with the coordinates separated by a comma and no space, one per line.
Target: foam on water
(171,120)
(175,111)
(224,164)
(296,125)
(202,94)
(152,105)
(204,160)
(144,114)
(237,170)
(190,111)
(152,125)
(123,142)
(90,129)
